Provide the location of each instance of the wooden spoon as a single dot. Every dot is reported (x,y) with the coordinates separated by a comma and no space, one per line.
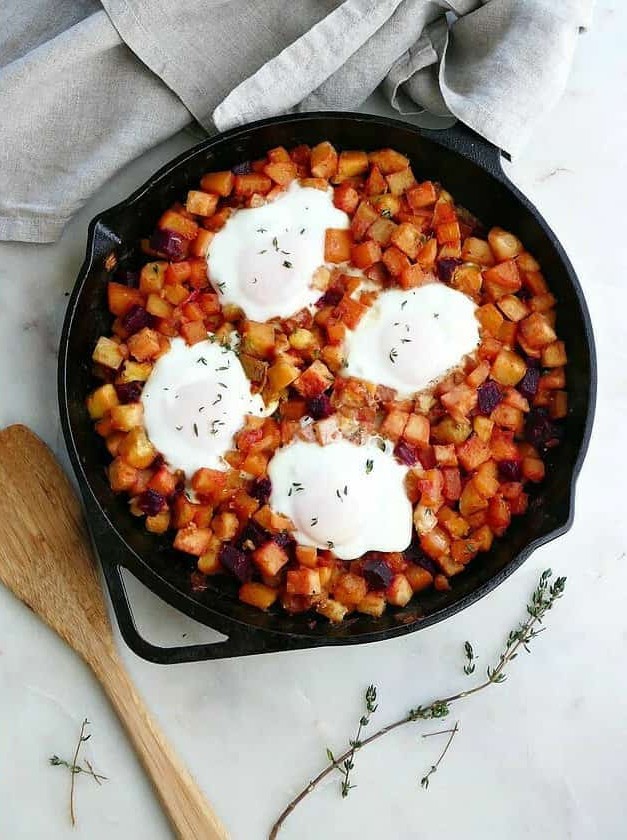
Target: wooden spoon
(46,560)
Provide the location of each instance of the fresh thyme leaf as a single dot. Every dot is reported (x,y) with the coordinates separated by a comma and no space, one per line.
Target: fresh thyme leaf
(314,520)
(369,466)
(405,340)
(339,495)
(381,444)
(436,314)
(403,304)
(201,409)
(254,280)
(330,544)
(287,263)
(221,285)
(386,213)
(224,367)
(201,360)
(302,230)
(345,490)
(393,355)
(217,399)
(265,251)
(262,230)
(469,667)
(222,385)
(75,768)
(195,428)
(178,428)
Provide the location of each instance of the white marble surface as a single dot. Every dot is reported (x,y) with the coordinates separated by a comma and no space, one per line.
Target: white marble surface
(541,756)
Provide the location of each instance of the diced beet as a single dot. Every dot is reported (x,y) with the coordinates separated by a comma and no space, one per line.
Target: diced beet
(406,453)
(541,431)
(489,395)
(252,535)
(136,319)
(261,490)
(376,571)
(445,268)
(415,554)
(236,562)
(169,243)
(319,407)
(129,392)
(283,539)
(330,298)
(528,385)
(150,502)
(243,168)
(510,470)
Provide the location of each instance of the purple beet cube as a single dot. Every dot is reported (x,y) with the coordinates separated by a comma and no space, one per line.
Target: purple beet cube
(406,453)
(261,490)
(330,298)
(253,535)
(376,571)
(237,562)
(489,395)
(243,168)
(136,319)
(319,407)
(283,539)
(528,385)
(129,392)
(541,431)
(151,503)
(445,268)
(169,243)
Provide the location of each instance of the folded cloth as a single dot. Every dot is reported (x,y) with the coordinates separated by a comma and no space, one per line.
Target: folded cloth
(87,86)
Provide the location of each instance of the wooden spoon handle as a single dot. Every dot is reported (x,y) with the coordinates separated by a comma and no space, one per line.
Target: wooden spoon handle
(184,804)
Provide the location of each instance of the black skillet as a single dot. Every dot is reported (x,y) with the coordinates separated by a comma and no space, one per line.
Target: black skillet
(470,169)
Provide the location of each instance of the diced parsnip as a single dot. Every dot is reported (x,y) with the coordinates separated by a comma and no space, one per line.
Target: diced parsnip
(504,245)
(307,555)
(108,353)
(137,450)
(101,401)
(122,476)
(351,164)
(477,251)
(159,523)
(258,595)
(201,203)
(536,331)
(508,368)
(324,160)
(399,182)
(333,610)
(373,604)
(225,525)
(126,417)
(365,254)
(513,307)
(209,484)
(399,592)
(408,239)
(270,558)
(178,223)
(449,430)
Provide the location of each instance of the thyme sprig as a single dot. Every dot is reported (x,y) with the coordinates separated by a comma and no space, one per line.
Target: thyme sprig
(424,782)
(545,595)
(348,763)
(75,768)
(469,667)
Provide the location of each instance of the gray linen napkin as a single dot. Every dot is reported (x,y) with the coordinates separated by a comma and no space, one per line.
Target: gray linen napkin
(87,86)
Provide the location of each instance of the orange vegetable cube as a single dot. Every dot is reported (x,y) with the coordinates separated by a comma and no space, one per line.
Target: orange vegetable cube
(399,592)
(282,373)
(418,577)
(533,469)
(307,555)
(504,245)
(126,417)
(365,254)
(408,238)
(122,298)
(350,589)
(395,260)
(364,217)
(375,183)
(258,339)
(350,311)
(473,452)
(258,595)
(337,245)
(346,198)
(502,278)
(281,172)
(435,543)
(324,160)
(220,183)
(477,251)
(422,195)
(508,368)
(201,203)
(486,479)
(471,501)
(159,523)
(351,164)
(193,540)
(209,484)
(373,604)
(388,161)
(554,355)
(400,181)
(200,245)
(452,483)
(250,183)
(144,344)
(463,551)
(122,476)
(417,429)
(536,331)
(314,381)
(137,450)
(499,515)
(303,582)
(108,353)
(394,424)
(178,223)
(382,231)
(270,558)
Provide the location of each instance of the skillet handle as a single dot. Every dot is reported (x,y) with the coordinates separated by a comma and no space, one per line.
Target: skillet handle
(242,643)
(459,138)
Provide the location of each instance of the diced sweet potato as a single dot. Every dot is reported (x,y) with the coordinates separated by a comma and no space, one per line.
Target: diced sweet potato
(459,401)
(144,345)
(258,595)
(394,424)
(435,543)
(258,339)
(499,515)
(126,417)
(373,604)
(220,183)
(137,450)
(554,355)
(450,430)
(122,298)
(350,589)
(346,198)
(471,500)
(122,476)
(400,181)
(108,353)
(395,260)
(270,558)
(201,203)
(508,417)
(178,223)
(502,279)
(418,577)
(323,161)
(314,381)
(200,246)
(533,469)
(350,311)
(282,373)
(422,195)
(473,452)
(363,218)
(448,232)
(352,163)
(408,239)
(250,183)
(382,231)
(536,331)
(388,160)
(365,254)
(303,582)
(486,479)
(209,484)
(272,521)
(193,540)
(412,276)
(337,245)
(281,172)
(416,429)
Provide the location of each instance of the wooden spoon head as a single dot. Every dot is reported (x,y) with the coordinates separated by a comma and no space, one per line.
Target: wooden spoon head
(45,554)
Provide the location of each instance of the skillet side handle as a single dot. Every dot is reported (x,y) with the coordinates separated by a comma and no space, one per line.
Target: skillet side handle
(466,142)
(241,643)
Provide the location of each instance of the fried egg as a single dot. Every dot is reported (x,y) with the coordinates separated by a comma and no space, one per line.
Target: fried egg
(343,496)
(264,258)
(409,339)
(194,401)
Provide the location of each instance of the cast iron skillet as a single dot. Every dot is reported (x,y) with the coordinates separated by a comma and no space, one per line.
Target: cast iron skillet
(468,167)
